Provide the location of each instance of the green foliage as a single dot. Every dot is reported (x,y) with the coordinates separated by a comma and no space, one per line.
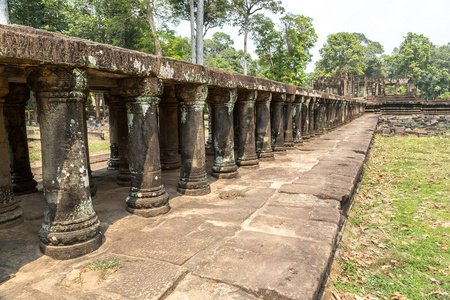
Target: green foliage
(372,56)
(284,53)
(42,14)
(220,53)
(437,80)
(216,12)
(341,52)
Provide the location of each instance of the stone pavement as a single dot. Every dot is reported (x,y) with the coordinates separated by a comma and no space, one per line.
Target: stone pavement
(270,233)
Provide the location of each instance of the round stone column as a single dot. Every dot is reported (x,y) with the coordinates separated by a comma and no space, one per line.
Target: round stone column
(113,162)
(297,119)
(312,117)
(92,186)
(263,128)
(118,104)
(70,227)
(305,118)
(168,120)
(16,131)
(277,122)
(147,197)
(10,211)
(193,179)
(288,121)
(245,106)
(223,100)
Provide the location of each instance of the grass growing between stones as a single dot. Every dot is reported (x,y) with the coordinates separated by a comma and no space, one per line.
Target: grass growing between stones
(398,235)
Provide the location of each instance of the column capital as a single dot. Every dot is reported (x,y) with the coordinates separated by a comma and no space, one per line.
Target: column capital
(192,94)
(141,89)
(57,79)
(18,95)
(299,99)
(264,96)
(245,95)
(169,96)
(290,98)
(278,97)
(222,96)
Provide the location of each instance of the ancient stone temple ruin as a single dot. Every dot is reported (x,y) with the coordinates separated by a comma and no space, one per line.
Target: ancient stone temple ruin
(379,98)
(157,122)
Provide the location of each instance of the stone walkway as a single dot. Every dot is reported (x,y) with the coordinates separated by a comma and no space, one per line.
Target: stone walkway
(270,233)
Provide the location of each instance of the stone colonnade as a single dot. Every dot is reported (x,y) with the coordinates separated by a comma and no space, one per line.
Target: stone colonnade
(154,126)
(156,121)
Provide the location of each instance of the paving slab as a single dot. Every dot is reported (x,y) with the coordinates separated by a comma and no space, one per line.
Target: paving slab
(269,233)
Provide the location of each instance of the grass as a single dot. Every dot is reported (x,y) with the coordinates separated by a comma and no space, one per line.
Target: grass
(95,147)
(106,267)
(398,235)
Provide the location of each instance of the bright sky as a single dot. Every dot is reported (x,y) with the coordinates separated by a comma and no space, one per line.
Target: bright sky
(384,21)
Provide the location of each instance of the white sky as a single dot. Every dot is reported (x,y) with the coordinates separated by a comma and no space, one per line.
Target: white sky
(384,21)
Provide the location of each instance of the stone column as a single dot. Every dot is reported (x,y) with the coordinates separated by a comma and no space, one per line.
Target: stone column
(263,128)
(223,101)
(305,118)
(193,180)
(10,211)
(70,227)
(114,159)
(92,186)
(16,131)
(277,122)
(168,120)
(245,107)
(288,121)
(312,117)
(118,104)
(147,197)
(297,119)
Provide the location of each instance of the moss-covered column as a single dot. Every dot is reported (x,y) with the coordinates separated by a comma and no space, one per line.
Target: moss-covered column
(70,227)
(10,211)
(118,104)
(223,100)
(147,197)
(114,159)
(168,120)
(305,118)
(263,128)
(193,180)
(245,106)
(297,119)
(277,121)
(319,116)
(312,117)
(19,157)
(92,186)
(288,121)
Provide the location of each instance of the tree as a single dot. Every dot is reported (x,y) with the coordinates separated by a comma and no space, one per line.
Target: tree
(437,80)
(243,11)
(372,56)
(221,54)
(291,42)
(4,13)
(341,52)
(42,14)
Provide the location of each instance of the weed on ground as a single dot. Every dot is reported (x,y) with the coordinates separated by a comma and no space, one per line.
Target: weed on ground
(398,233)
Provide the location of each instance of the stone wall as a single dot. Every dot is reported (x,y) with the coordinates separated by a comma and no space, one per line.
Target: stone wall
(420,125)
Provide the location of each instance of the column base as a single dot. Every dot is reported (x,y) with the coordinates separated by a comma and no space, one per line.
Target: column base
(298,141)
(278,148)
(11,218)
(248,163)
(289,144)
(266,156)
(24,187)
(124,179)
(170,165)
(113,164)
(194,191)
(224,175)
(149,212)
(71,251)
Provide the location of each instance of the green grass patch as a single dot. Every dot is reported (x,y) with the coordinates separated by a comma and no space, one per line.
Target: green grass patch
(105,266)
(398,235)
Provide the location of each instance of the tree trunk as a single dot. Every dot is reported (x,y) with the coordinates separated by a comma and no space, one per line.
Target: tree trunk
(193,48)
(245,45)
(151,22)
(4,15)
(200,12)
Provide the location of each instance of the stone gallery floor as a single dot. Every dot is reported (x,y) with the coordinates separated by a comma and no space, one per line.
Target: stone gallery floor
(270,233)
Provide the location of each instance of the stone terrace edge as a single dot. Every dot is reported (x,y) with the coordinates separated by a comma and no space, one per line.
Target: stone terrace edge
(23,46)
